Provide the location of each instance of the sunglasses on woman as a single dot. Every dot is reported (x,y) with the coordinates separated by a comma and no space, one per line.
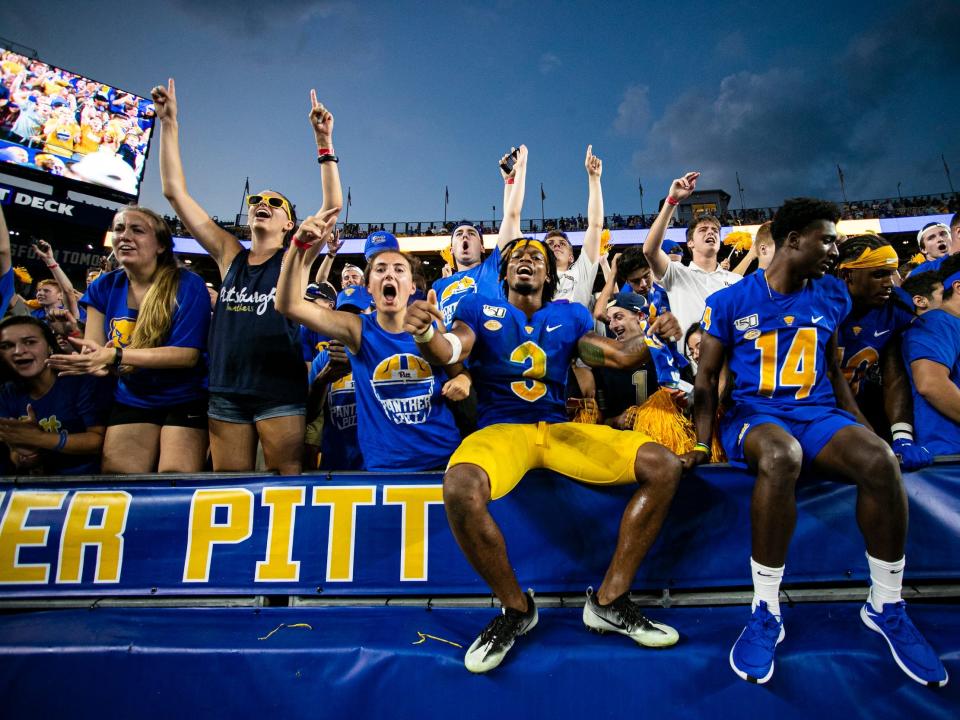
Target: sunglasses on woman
(271,200)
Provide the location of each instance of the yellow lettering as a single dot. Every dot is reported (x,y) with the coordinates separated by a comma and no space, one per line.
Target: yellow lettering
(107,537)
(343,501)
(14,536)
(204,532)
(415,501)
(278,565)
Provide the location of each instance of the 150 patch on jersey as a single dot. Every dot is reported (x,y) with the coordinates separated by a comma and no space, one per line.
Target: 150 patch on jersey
(747,322)
(494,311)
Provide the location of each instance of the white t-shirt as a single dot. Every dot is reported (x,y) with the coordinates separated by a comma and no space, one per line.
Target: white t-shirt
(576,282)
(689,286)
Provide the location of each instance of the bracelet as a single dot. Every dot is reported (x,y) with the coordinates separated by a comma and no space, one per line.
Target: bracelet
(328,158)
(302,244)
(51,267)
(118,357)
(63,441)
(702,447)
(671,201)
(509,181)
(425,337)
(325,151)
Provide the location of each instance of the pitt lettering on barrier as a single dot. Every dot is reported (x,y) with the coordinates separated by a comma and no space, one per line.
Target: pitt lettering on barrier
(214,535)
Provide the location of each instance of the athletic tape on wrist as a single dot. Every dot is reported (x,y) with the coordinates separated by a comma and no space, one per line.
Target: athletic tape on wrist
(902,431)
(424,338)
(456,347)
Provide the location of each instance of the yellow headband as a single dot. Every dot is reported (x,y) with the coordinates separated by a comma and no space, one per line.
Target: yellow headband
(881,257)
(530,242)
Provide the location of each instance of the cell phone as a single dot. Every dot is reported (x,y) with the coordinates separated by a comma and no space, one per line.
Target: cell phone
(507,165)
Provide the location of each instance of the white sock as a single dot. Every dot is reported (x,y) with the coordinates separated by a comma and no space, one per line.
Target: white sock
(766,586)
(886,582)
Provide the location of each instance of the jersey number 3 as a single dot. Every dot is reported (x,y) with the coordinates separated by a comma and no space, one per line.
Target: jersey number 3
(530,353)
(799,367)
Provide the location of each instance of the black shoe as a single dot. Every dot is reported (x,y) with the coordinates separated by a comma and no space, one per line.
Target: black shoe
(498,637)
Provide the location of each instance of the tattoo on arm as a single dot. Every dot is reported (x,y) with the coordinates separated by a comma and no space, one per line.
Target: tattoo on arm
(591,353)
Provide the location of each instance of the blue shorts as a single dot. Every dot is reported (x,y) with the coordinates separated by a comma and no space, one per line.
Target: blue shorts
(812,426)
(249,409)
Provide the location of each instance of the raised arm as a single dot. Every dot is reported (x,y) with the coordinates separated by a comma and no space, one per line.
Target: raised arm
(333,245)
(221,245)
(321,120)
(744,265)
(598,351)
(680,189)
(45,253)
(591,238)
(303,251)
(509,177)
(609,290)
(6,261)
(513,201)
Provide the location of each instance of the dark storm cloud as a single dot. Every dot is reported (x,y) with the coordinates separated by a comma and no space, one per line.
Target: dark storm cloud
(252,17)
(882,107)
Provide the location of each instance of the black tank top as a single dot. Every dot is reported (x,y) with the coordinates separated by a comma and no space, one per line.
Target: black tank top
(254,350)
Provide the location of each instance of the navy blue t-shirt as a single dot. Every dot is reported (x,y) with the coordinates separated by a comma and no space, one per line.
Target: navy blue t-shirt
(254,350)
(74,403)
(191,319)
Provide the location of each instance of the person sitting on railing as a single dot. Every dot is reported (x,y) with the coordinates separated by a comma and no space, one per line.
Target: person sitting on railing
(521,346)
(792,409)
(148,323)
(52,425)
(931,350)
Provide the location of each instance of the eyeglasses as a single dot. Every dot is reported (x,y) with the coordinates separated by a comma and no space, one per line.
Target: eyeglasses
(271,200)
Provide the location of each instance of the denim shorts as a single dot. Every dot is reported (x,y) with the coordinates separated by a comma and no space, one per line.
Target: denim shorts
(248,409)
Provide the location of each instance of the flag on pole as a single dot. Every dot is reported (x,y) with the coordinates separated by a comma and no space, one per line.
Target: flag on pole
(543,195)
(246,187)
(641,189)
(349,199)
(840,173)
(446,194)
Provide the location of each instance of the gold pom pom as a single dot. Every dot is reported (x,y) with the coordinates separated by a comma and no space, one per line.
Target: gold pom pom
(918,258)
(604,242)
(741,240)
(661,419)
(447,256)
(588,412)
(23,275)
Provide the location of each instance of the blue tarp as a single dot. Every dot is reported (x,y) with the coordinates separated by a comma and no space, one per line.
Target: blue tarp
(363,663)
(389,535)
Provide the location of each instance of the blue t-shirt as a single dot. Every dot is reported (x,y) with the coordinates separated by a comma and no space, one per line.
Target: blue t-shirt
(519,365)
(339,445)
(6,291)
(935,336)
(403,422)
(861,340)
(312,343)
(483,279)
(930,265)
(191,322)
(74,403)
(776,344)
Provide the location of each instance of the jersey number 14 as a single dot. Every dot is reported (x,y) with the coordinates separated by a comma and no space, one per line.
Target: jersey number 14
(799,367)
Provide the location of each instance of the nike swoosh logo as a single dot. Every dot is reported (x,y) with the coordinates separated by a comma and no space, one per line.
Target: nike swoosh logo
(765,574)
(878,334)
(619,626)
(554,327)
(817,318)
(896,572)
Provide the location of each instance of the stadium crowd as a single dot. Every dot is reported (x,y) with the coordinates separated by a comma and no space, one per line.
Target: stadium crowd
(812,351)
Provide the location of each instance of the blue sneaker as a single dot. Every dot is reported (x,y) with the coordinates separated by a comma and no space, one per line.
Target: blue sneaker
(910,649)
(751,656)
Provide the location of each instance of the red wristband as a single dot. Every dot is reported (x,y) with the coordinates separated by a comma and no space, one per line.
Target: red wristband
(324,151)
(671,201)
(300,243)
(509,181)
(51,267)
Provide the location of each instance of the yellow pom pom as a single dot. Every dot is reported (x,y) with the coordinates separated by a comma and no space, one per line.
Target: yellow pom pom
(604,242)
(588,413)
(447,256)
(741,240)
(661,419)
(918,258)
(23,275)
(32,304)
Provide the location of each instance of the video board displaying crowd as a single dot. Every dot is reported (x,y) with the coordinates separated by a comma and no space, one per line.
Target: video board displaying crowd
(65,124)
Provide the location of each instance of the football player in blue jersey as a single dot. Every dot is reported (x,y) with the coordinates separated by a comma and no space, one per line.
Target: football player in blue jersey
(520,348)
(931,349)
(777,329)
(869,342)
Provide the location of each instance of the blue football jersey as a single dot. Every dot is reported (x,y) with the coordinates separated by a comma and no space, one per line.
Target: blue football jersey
(776,344)
(483,279)
(339,446)
(861,340)
(934,336)
(402,421)
(519,365)
(929,265)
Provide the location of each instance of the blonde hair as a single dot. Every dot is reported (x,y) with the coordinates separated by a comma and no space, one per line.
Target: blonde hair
(157,307)
(764,236)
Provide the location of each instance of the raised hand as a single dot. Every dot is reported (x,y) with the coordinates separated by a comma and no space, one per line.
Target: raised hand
(44,251)
(165,100)
(521,158)
(665,326)
(421,315)
(335,242)
(503,163)
(613,264)
(322,121)
(682,188)
(593,164)
(315,231)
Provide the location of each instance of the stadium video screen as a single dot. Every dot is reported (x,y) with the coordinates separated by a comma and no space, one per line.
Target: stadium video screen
(57,122)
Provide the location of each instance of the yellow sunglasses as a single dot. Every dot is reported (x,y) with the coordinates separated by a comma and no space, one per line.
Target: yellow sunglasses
(271,200)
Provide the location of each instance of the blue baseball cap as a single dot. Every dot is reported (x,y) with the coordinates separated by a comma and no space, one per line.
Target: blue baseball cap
(377,241)
(672,247)
(634,302)
(354,298)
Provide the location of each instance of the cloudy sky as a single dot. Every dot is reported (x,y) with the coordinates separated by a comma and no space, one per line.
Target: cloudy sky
(430,94)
